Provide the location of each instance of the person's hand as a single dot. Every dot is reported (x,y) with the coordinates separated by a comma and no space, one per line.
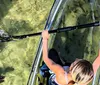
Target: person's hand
(45,35)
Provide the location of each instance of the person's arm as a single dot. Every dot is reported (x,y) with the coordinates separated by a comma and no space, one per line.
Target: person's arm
(96,63)
(50,63)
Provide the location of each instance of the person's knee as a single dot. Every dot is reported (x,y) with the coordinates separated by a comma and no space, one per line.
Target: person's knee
(44,71)
(53,54)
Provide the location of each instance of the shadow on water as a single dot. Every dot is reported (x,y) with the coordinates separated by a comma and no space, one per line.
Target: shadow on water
(18,28)
(5,5)
(6,69)
(22,27)
(71,44)
(1,46)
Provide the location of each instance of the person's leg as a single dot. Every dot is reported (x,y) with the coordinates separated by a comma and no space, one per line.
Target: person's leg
(44,71)
(53,54)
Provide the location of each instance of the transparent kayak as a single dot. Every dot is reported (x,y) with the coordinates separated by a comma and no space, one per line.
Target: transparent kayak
(81,43)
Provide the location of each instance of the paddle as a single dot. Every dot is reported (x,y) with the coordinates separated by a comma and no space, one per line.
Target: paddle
(7,38)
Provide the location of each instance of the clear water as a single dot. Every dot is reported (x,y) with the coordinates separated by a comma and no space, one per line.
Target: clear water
(28,16)
(18,17)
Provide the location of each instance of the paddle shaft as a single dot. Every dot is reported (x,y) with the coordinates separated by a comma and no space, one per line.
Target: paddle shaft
(59,30)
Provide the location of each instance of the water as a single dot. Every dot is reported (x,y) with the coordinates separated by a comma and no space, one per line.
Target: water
(29,16)
(18,17)
(90,34)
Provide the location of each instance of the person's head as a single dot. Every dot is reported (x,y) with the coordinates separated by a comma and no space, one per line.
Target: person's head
(81,71)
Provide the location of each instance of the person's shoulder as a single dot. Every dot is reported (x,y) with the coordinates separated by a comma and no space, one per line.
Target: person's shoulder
(61,78)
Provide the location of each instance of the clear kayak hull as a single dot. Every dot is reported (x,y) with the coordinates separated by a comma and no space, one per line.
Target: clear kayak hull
(81,43)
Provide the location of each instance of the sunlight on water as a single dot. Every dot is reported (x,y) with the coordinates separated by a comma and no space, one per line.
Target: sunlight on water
(19,17)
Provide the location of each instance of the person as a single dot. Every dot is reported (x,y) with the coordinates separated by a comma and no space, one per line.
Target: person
(80,72)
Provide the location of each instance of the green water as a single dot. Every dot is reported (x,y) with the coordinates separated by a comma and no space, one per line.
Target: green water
(20,17)
(80,43)
(29,16)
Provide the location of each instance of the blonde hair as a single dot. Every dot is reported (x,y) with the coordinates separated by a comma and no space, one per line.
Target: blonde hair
(82,71)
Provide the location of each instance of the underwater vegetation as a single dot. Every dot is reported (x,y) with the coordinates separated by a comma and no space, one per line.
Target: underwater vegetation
(19,17)
(80,43)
